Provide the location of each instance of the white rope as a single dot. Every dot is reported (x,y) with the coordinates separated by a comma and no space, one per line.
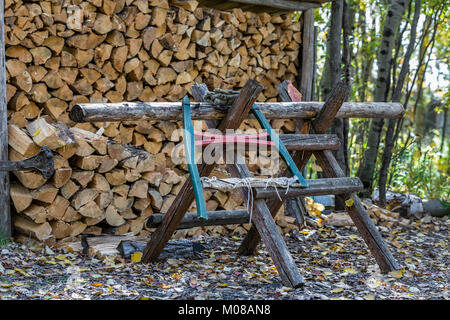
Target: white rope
(281,182)
(245,182)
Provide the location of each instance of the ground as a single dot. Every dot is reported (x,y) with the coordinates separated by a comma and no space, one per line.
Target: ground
(334,262)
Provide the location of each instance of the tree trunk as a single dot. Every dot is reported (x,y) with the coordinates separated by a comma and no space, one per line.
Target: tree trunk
(396,98)
(332,73)
(391,25)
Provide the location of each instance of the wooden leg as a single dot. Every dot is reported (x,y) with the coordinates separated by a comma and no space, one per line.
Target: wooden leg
(359,215)
(266,227)
(251,241)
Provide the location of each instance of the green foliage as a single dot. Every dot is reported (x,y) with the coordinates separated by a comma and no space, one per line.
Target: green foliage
(3,241)
(419,165)
(425,173)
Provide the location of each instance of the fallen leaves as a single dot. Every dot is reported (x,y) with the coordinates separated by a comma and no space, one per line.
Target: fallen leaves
(96,284)
(335,263)
(136,257)
(397,274)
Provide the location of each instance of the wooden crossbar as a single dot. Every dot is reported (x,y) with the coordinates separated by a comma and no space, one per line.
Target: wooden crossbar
(129,111)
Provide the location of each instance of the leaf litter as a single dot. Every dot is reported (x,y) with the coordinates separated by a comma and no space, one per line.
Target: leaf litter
(334,261)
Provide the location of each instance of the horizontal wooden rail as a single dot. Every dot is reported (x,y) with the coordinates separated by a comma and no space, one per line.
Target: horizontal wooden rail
(316,187)
(215,218)
(133,111)
(312,142)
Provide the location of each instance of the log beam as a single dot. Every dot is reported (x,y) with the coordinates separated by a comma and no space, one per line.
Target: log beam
(282,4)
(133,111)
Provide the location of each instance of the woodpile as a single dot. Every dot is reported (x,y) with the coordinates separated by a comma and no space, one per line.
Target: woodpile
(101,186)
(64,52)
(110,176)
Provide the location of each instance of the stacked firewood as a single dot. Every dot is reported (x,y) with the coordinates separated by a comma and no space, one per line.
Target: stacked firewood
(101,186)
(64,52)
(60,53)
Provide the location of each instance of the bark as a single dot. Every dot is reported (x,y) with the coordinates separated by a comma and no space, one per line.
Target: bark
(392,22)
(5,216)
(332,73)
(444,128)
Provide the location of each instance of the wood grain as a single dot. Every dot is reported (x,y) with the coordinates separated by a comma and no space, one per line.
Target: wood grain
(5,215)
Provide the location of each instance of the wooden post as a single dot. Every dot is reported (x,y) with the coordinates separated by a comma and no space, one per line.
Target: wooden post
(5,215)
(233,119)
(307,74)
(263,221)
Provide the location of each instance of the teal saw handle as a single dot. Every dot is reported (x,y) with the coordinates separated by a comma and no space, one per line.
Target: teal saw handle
(279,144)
(189,146)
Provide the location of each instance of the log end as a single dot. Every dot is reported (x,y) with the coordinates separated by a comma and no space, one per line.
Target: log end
(77,114)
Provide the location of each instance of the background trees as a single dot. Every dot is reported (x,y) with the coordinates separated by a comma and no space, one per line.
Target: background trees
(393,50)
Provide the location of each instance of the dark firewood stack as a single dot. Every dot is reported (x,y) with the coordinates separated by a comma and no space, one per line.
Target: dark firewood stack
(59,53)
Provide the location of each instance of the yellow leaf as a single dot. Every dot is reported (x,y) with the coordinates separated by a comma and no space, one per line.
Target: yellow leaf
(337,290)
(18,284)
(397,273)
(318,206)
(60,257)
(350,271)
(319,222)
(96,284)
(369,297)
(37,132)
(136,257)
(349,202)
(222,285)
(144,298)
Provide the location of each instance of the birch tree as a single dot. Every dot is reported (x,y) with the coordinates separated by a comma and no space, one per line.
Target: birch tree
(384,61)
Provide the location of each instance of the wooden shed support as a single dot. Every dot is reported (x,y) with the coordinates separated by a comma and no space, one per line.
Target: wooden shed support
(5,216)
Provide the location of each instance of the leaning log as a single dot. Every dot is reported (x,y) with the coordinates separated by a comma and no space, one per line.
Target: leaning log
(131,111)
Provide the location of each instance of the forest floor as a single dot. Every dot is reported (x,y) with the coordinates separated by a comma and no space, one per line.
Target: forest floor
(334,262)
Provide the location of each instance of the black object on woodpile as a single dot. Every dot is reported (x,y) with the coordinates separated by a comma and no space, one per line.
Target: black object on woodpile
(175,249)
(43,162)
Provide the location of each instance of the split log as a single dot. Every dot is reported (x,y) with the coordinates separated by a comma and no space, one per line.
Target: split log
(38,231)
